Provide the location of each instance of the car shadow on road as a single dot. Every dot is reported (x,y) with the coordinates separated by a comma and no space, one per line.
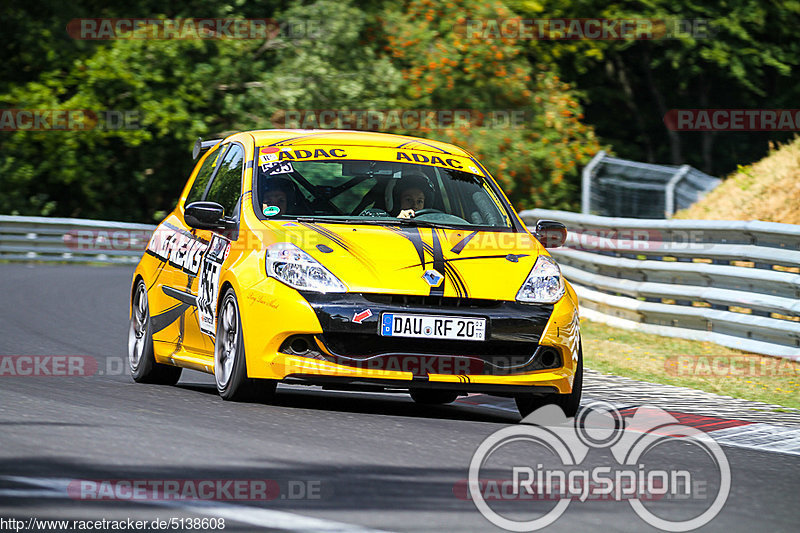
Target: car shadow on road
(359,487)
(392,404)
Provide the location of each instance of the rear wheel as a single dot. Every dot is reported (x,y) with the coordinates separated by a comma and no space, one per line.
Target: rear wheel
(230,367)
(141,358)
(433,397)
(569,403)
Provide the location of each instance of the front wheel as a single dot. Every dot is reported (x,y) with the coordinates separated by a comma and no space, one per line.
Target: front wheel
(230,367)
(569,403)
(141,358)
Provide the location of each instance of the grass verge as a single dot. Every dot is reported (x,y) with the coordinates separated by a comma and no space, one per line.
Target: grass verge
(700,365)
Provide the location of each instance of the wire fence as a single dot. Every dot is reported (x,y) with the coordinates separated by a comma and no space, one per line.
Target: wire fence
(613,186)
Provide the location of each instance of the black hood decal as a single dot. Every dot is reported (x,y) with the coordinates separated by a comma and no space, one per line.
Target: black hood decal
(462,243)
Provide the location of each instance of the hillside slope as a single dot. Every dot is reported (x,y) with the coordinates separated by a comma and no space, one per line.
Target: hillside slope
(766,190)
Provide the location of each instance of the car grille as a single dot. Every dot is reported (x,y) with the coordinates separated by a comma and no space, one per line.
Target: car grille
(431,301)
(438,357)
(364,345)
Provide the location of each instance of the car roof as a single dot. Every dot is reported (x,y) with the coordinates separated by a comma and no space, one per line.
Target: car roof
(287,137)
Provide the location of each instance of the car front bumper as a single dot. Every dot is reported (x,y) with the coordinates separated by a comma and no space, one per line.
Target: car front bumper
(345,349)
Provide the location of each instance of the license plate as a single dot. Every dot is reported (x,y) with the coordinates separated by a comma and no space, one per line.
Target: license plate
(433,327)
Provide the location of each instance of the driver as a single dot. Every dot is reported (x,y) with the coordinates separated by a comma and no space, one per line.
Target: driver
(277,192)
(414,192)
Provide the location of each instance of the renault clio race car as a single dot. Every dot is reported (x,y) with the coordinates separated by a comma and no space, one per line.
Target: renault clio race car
(354,260)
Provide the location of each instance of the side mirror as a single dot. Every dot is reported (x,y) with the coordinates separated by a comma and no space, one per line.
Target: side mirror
(550,233)
(204,215)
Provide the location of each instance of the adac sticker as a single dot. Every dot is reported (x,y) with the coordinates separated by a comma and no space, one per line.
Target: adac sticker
(316,153)
(271,210)
(413,157)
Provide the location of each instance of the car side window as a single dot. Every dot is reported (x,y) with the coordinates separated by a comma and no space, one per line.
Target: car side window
(227,185)
(203,175)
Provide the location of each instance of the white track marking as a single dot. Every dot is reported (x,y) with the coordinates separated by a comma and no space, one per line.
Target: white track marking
(266,518)
(753,436)
(29,493)
(760,436)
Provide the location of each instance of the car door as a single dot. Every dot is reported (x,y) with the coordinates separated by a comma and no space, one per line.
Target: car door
(225,188)
(180,252)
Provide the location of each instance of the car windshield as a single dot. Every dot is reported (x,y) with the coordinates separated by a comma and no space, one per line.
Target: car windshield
(355,191)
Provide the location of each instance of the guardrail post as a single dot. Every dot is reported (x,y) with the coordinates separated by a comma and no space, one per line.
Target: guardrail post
(669,197)
(586,184)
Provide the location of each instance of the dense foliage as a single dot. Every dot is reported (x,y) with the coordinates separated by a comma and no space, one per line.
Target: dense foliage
(376,55)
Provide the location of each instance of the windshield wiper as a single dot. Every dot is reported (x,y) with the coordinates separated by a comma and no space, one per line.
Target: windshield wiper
(377,222)
(409,222)
(319,219)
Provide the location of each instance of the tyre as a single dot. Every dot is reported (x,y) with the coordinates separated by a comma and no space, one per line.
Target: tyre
(141,359)
(569,403)
(433,397)
(230,367)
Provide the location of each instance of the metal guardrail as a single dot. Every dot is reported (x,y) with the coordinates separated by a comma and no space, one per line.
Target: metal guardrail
(733,283)
(71,240)
(729,282)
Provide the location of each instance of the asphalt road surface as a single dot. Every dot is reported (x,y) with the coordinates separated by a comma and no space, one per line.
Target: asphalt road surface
(330,461)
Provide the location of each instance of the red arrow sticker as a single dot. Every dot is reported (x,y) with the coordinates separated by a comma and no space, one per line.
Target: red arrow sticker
(358,318)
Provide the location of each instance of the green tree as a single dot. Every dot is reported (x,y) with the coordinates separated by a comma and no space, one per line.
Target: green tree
(180,89)
(446,67)
(747,59)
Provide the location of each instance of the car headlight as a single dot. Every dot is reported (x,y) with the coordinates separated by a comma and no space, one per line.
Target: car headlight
(544,285)
(294,267)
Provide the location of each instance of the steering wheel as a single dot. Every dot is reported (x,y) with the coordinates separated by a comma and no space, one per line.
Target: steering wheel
(426,211)
(373,212)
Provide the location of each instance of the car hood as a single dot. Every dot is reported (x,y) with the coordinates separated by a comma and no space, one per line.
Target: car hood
(394,259)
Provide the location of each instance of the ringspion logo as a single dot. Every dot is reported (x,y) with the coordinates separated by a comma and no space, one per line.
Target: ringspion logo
(558,471)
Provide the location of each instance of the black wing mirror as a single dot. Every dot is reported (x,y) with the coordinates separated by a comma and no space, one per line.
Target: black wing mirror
(204,215)
(550,233)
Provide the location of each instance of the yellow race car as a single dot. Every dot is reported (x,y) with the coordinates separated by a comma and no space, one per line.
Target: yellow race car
(354,260)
